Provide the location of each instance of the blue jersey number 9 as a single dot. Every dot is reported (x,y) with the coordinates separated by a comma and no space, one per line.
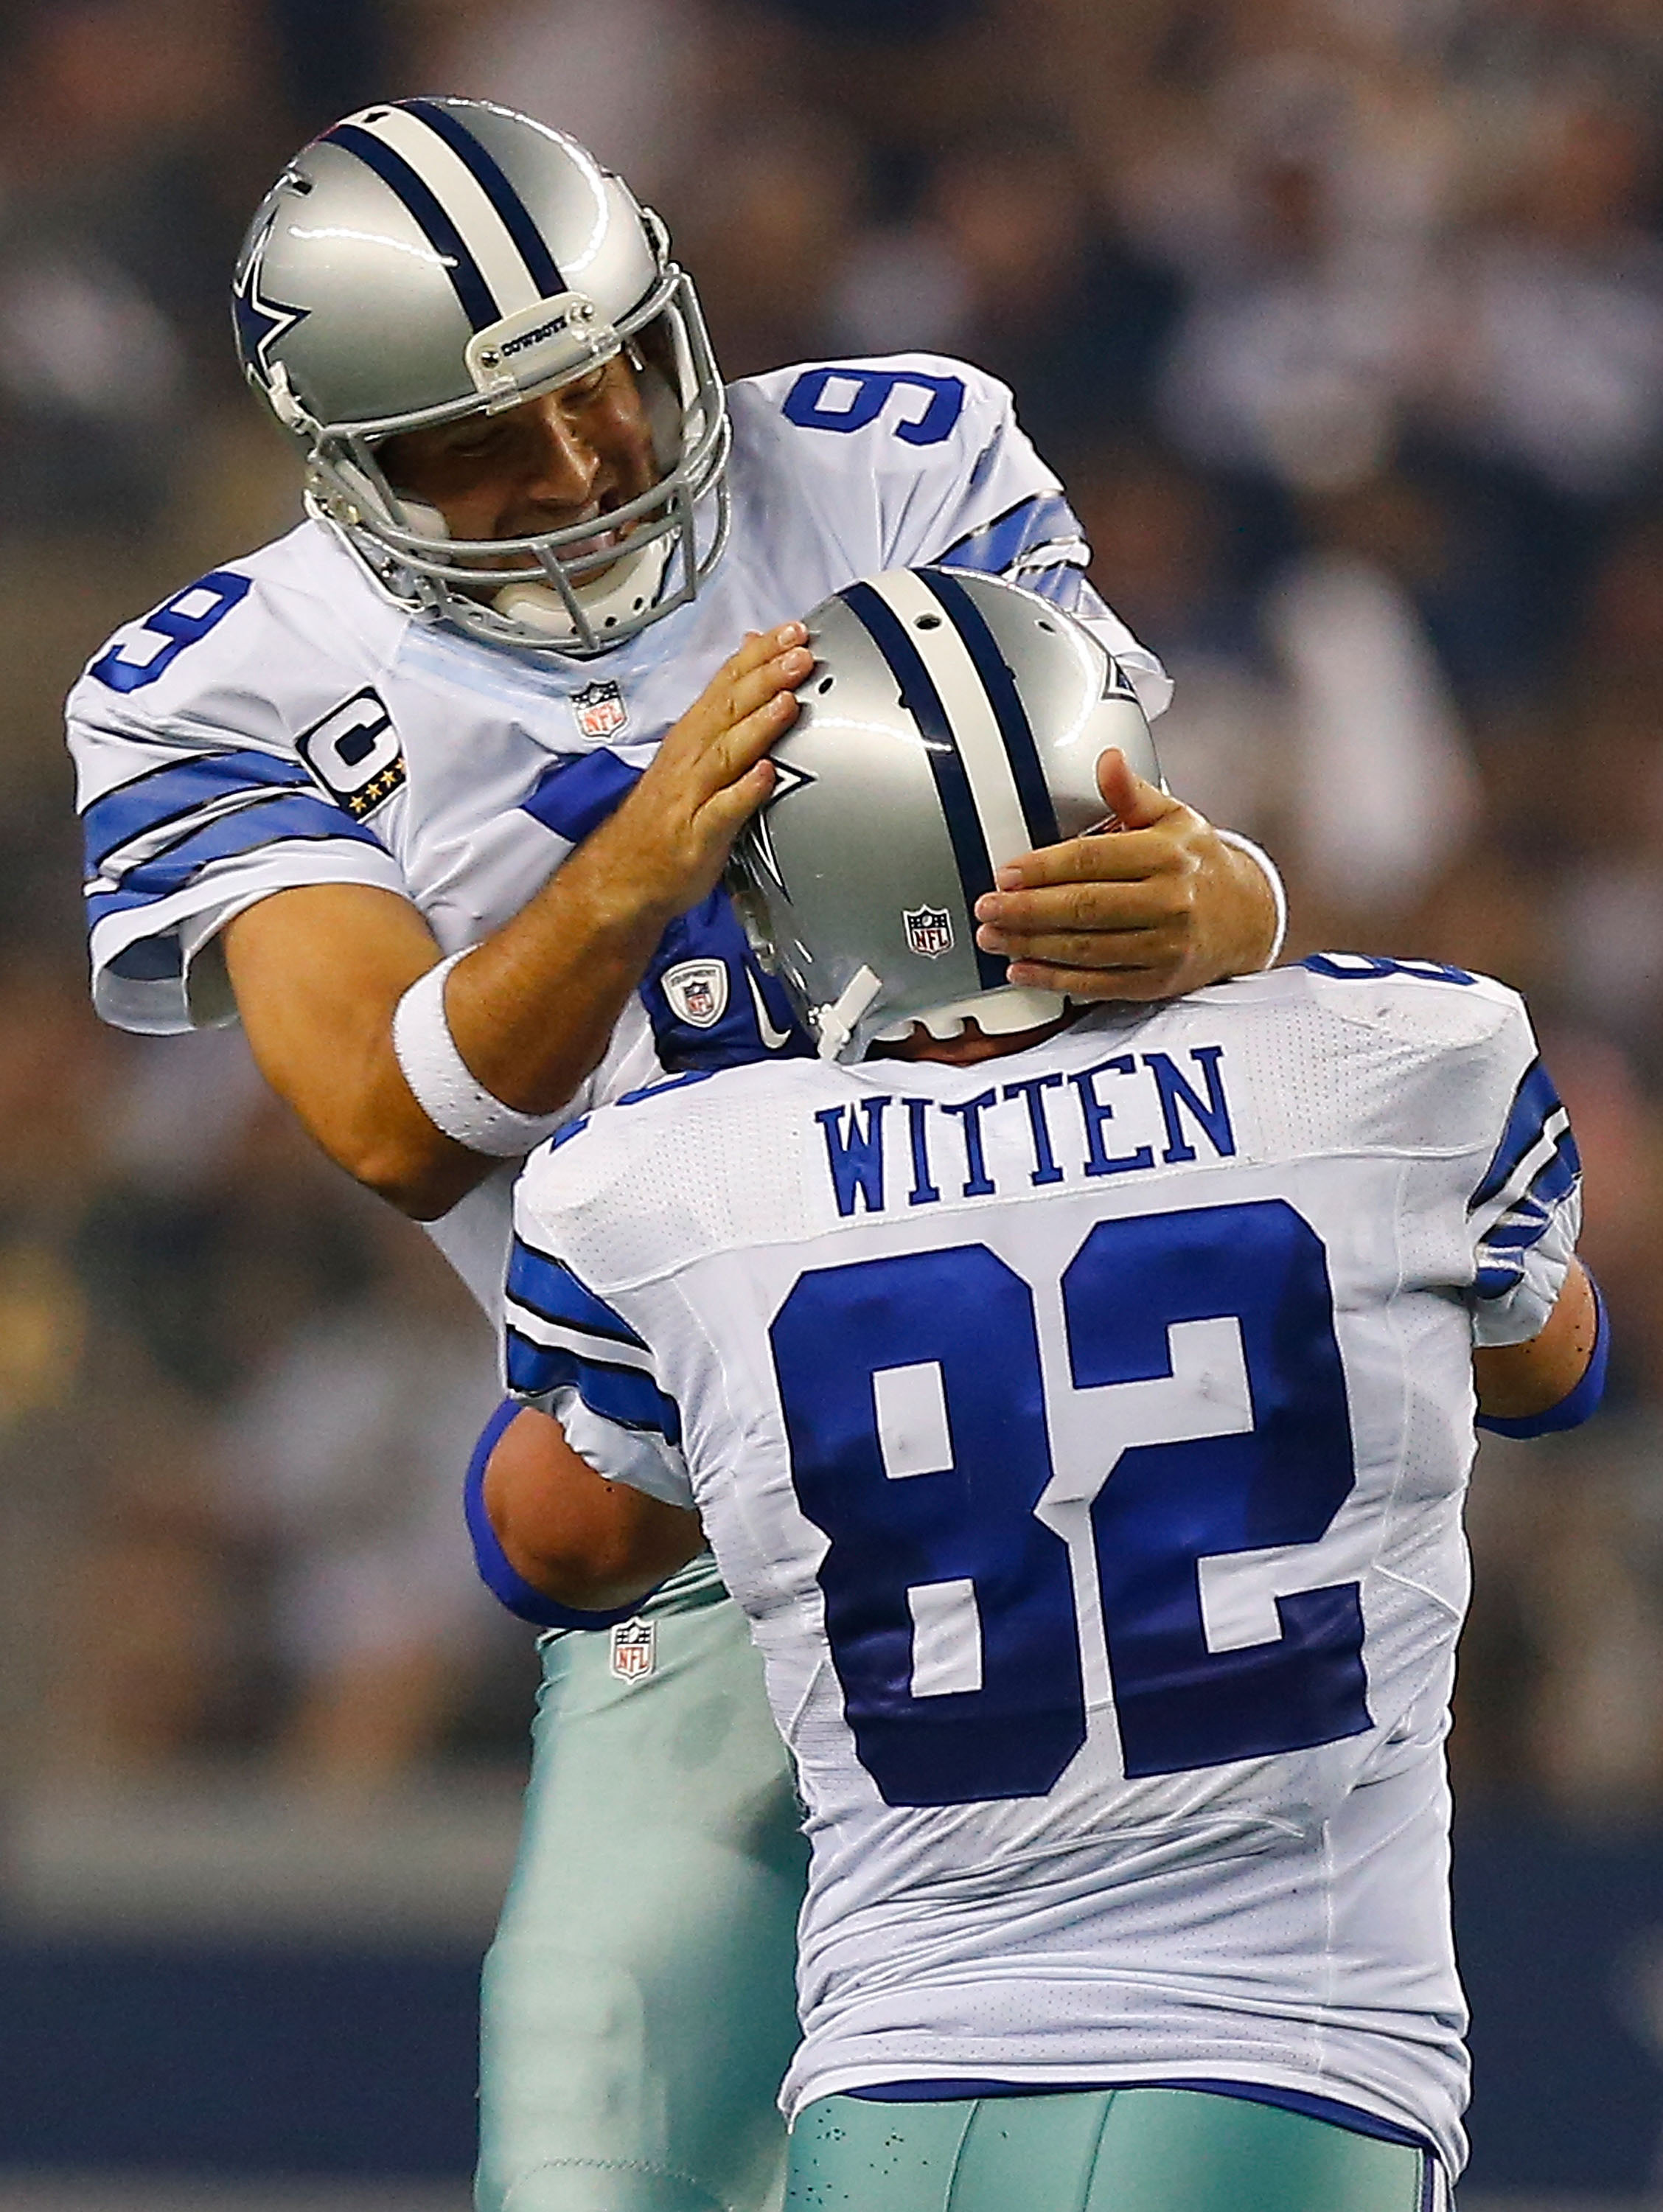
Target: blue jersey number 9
(965,1579)
(185,619)
(848,398)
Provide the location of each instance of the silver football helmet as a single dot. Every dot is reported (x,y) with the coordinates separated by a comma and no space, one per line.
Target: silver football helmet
(427,260)
(951,723)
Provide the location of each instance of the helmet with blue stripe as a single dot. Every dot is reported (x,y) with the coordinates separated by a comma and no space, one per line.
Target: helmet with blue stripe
(429,259)
(951,723)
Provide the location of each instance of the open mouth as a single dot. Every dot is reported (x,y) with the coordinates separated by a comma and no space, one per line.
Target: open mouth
(602,540)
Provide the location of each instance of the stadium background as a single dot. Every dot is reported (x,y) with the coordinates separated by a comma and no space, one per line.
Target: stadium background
(1344,321)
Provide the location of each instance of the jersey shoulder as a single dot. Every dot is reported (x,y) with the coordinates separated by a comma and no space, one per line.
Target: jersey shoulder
(903,414)
(699,1163)
(1405,1055)
(900,460)
(253,651)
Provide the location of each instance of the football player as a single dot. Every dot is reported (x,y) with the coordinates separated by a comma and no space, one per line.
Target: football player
(433,792)
(1079,1403)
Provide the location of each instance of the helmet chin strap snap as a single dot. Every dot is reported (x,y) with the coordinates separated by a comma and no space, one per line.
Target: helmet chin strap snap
(836,1024)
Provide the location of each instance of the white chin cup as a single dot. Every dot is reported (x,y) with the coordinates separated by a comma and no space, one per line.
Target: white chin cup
(996,1013)
(426,521)
(624,587)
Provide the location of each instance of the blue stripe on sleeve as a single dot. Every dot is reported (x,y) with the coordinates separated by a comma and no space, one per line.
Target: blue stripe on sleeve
(996,544)
(1065,586)
(171,792)
(503,1580)
(541,1283)
(285,816)
(624,1395)
(1534,1103)
(578,792)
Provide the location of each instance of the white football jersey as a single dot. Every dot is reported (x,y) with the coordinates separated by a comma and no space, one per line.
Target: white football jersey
(280,722)
(1085,1434)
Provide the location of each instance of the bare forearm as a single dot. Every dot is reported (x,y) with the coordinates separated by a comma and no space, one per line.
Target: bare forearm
(532,1009)
(570,1534)
(1515,1381)
(514,1026)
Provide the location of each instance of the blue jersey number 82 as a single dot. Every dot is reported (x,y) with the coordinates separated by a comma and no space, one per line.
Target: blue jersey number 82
(961,1565)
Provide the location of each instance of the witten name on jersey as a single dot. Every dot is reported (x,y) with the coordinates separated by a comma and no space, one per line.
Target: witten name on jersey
(1085,1434)
(279,722)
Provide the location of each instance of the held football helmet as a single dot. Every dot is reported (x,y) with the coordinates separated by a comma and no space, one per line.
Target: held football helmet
(427,260)
(952,722)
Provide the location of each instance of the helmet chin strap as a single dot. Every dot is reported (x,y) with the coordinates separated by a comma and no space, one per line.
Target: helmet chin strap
(621,588)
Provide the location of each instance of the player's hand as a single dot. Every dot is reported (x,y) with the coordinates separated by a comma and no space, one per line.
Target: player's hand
(1162,905)
(666,846)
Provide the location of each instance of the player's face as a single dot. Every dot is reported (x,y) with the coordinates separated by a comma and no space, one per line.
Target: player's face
(569,457)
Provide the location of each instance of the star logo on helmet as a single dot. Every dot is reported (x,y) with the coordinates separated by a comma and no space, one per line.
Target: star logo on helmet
(261,320)
(786,779)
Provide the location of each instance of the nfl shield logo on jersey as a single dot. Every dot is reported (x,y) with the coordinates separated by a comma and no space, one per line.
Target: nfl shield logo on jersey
(929,930)
(634,1648)
(600,710)
(697,990)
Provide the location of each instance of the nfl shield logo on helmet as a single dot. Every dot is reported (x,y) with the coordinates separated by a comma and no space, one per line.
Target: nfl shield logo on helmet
(929,930)
(634,1648)
(600,710)
(697,991)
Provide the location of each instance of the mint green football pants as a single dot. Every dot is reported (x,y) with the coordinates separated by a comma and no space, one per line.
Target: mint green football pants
(637,2009)
(1097,2150)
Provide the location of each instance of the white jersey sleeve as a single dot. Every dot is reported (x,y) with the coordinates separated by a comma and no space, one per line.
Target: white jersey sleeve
(1525,1211)
(1479,1106)
(189,731)
(936,444)
(570,1353)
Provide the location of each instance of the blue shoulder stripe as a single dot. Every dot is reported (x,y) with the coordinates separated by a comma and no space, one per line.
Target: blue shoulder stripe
(624,1395)
(577,793)
(1065,587)
(175,790)
(516,216)
(467,278)
(1534,1103)
(285,817)
(993,546)
(544,1286)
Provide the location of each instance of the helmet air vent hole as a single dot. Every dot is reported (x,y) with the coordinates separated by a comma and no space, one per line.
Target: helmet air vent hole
(927,621)
(825,684)
(1051,627)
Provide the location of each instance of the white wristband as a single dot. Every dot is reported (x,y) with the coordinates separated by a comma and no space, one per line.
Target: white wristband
(1257,853)
(445,1086)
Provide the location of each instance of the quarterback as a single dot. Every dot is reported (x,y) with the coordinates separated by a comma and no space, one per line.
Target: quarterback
(434,794)
(1079,1403)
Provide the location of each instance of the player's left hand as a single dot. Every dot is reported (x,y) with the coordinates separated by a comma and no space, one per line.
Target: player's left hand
(1162,905)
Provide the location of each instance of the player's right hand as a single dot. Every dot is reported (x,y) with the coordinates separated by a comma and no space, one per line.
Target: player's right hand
(666,846)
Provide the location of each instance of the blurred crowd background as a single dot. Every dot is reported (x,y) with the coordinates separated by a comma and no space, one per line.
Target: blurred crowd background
(1343,320)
